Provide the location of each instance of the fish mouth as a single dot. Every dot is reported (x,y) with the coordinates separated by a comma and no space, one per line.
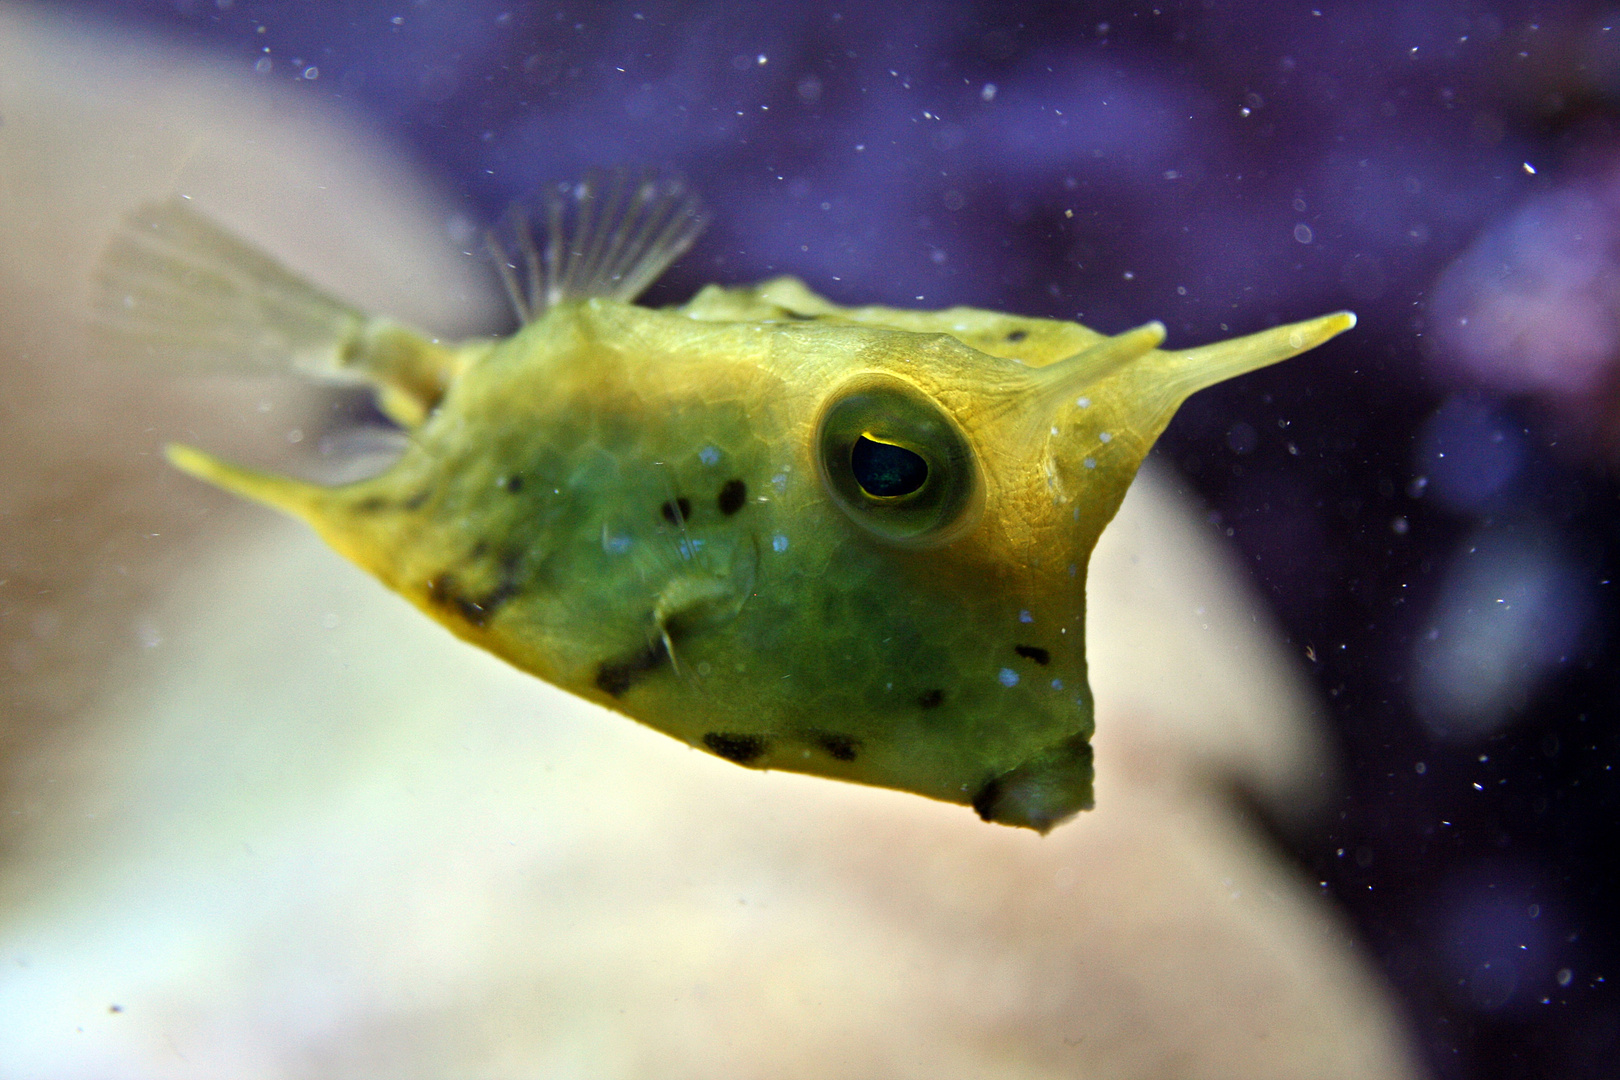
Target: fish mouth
(1045,791)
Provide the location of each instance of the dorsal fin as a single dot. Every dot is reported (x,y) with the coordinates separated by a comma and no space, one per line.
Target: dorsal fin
(611,234)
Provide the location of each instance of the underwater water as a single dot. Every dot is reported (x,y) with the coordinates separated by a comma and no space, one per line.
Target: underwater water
(1427,505)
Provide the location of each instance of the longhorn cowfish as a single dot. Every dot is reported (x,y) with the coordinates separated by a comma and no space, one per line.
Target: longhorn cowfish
(842,541)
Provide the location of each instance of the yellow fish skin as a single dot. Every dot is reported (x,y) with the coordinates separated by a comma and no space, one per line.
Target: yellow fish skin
(842,541)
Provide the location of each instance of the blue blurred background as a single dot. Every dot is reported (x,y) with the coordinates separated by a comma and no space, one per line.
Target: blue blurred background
(1429,502)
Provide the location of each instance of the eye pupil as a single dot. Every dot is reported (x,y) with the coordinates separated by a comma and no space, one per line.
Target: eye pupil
(885,470)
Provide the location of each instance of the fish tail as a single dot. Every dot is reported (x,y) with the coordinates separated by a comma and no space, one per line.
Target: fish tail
(177,289)
(182,291)
(294,497)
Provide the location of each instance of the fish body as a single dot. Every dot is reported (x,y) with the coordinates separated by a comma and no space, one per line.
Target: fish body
(842,541)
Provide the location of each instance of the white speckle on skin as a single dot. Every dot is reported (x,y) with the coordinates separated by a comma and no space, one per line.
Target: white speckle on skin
(1026,617)
(1104,437)
(1090,463)
(779,542)
(1057,684)
(779,482)
(1007,677)
(709,455)
(1084,403)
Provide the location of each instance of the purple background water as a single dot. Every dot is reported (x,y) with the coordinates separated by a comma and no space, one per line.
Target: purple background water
(1429,501)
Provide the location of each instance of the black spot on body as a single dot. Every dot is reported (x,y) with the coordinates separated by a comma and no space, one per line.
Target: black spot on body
(931,699)
(1017,335)
(733,494)
(1035,653)
(514,484)
(371,504)
(441,589)
(678,511)
(480,611)
(614,677)
(739,748)
(415,501)
(841,747)
(801,316)
(446,592)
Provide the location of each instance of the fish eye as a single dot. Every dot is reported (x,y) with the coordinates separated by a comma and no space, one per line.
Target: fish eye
(895,463)
(885,470)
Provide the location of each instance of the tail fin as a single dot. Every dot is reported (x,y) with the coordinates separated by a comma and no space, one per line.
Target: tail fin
(178,289)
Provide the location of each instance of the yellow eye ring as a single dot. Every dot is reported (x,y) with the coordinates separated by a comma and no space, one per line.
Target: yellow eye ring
(895,462)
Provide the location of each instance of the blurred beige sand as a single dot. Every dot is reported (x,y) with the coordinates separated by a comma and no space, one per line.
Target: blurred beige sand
(263,820)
